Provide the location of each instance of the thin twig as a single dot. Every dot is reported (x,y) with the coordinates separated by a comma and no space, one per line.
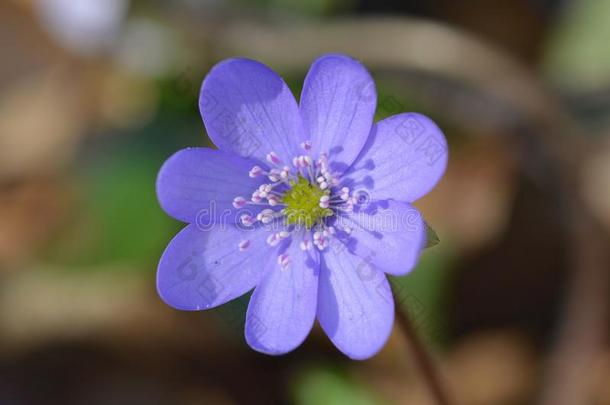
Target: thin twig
(424,361)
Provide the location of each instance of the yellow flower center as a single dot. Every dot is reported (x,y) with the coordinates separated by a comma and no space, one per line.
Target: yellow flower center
(303,203)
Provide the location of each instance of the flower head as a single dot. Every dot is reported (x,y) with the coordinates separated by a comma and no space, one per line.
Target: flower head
(308,204)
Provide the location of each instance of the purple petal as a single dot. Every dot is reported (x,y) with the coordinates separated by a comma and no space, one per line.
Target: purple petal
(388,234)
(248,109)
(199,185)
(337,105)
(204,269)
(355,305)
(282,310)
(405,157)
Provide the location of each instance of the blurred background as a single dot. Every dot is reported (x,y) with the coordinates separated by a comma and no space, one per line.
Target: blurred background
(513,303)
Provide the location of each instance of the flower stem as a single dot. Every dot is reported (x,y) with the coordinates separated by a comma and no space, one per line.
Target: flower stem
(423,359)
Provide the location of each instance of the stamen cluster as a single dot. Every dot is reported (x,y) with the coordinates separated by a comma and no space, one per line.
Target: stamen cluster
(300,196)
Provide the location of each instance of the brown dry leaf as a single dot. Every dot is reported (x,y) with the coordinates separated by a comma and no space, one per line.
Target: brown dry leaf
(596,182)
(487,368)
(30,212)
(394,373)
(126,101)
(46,303)
(471,204)
(41,118)
(496,367)
(601,376)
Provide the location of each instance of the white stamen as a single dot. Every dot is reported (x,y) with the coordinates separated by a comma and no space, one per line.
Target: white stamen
(324,201)
(243,245)
(344,194)
(302,161)
(247,220)
(274,175)
(306,145)
(273,240)
(322,162)
(283,260)
(265,216)
(264,190)
(256,197)
(239,202)
(305,245)
(255,171)
(321,242)
(273,200)
(273,158)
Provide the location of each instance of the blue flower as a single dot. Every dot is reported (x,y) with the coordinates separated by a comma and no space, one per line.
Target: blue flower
(307,203)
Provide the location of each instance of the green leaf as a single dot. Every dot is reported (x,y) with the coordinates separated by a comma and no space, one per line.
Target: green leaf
(432,237)
(330,387)
(577,55)
(421,293)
